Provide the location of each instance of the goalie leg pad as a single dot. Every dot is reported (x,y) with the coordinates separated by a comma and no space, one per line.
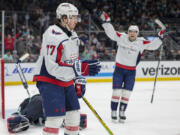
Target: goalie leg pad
(83,121)
(72,121)
(17,123)
(52,125)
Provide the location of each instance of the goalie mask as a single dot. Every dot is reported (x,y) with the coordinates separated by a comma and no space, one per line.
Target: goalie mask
(17,123)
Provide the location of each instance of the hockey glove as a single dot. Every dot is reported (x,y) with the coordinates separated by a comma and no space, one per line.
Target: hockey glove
(105,17)
(80,86)
(162,34)
(17,123)
(86,67)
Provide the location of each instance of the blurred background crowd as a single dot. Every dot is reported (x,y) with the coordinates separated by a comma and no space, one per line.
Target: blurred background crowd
(26,20)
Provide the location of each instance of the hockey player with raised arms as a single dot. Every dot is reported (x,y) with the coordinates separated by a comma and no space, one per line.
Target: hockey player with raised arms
(58,68)
(130,48)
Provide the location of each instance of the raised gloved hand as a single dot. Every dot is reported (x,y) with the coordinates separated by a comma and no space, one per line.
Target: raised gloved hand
(105,17)
(162,34)
(80,86)
(86,67)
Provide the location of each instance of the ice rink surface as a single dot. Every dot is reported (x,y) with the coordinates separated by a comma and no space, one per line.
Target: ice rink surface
(143,118)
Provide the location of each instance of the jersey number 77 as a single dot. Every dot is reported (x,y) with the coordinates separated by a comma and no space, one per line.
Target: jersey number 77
(50,49)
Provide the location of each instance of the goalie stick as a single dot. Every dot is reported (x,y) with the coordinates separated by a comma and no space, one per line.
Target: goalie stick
(163,27)
(21,74)
(24,57)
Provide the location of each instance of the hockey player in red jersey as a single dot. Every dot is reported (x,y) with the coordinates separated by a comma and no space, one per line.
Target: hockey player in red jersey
(130,48)
(57,68)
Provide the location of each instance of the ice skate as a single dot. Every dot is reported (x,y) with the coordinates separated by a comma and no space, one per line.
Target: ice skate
(122,117)
(114,116)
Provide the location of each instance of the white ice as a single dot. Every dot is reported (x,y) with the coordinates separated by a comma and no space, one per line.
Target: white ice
(143,118)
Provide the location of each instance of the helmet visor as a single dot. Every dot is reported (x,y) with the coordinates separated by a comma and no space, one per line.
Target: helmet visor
(75,18)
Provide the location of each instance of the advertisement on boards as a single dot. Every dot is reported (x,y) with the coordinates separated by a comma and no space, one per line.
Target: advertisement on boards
(145,69)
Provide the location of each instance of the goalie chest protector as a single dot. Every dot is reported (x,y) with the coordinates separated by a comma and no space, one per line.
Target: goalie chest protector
(32,108)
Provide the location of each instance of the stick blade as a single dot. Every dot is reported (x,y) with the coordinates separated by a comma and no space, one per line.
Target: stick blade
(24,57)
(160,24)
(152,98)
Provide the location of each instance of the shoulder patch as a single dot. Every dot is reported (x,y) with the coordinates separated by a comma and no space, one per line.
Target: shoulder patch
(56,33)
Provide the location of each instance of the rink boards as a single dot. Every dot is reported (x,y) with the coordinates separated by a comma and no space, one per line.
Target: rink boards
(146,70)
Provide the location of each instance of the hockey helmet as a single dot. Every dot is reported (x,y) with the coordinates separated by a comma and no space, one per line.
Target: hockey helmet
(133,28)
(66,9)
(17,123)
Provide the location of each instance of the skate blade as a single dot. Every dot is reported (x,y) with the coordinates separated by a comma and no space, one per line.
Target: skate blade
(121,121)
(114,121)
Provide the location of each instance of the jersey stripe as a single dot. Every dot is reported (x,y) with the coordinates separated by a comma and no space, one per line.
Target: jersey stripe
(59,55)
(124,98)
(52,81)
(125,67)
(51,130)
(74,38)
(115,97)
(118,34)
(72,128)
(146,42)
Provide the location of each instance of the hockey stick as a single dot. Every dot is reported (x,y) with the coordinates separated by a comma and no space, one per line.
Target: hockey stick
(97,116)
(21,74)
(157,71)
(163,27)
(160,24)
